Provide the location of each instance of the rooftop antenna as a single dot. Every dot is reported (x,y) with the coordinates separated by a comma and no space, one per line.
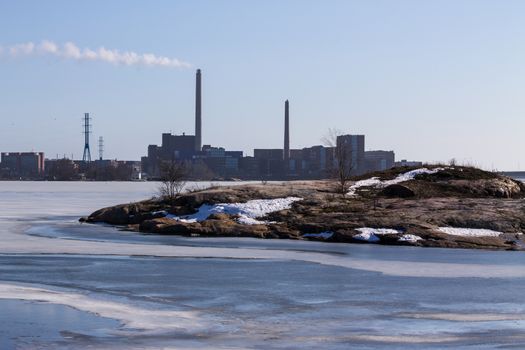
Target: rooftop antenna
(87,130)
(100,148)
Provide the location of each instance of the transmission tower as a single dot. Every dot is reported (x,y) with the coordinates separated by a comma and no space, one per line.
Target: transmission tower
(87,130)
(100,148)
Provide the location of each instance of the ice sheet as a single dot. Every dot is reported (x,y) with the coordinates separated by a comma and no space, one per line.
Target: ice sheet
(132,316)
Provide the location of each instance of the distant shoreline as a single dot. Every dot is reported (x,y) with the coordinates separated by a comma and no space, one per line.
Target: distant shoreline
(513,174)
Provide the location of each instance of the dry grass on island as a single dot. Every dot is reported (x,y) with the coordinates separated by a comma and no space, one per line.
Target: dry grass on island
(437,206)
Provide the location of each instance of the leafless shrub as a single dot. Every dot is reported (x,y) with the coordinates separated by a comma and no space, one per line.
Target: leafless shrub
(341,170)
(173,175)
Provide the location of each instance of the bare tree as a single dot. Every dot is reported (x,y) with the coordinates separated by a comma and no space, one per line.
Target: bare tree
(341,170)
(173,175)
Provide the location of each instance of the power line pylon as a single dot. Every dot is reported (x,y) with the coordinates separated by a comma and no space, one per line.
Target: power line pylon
(87,130)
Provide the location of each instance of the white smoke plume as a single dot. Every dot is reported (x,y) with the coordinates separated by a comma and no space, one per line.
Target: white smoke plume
(71,51)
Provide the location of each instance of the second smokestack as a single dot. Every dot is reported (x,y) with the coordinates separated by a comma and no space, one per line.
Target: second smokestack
(198,120)
(286,134)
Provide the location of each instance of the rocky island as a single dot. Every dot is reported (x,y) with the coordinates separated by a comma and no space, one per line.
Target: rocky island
(435,206)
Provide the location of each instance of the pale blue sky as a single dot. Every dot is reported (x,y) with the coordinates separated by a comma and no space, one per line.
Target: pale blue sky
(431,80)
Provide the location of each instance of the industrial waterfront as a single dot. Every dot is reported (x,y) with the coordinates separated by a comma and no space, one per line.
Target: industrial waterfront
(262,175)
(204,161)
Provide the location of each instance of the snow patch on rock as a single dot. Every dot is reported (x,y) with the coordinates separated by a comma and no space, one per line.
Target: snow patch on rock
(469,232)
(247,212)
(376,182)
(409,238)
(369,234)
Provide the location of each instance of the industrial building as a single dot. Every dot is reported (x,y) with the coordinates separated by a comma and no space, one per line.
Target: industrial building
(208,162)
(273,163)
(64,169)
(405,162)
(203,160)
(354,149)
(22,165)
(378,160)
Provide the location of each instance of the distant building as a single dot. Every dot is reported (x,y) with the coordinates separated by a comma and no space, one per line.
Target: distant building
(62,169)
(294,164)
(270,162)
(355,148)
(405,162)
(27,165)
(379,160)
(249,167)
(318,162)
(110,170)
(135,169)
(221,162)
(178,146)
(268,153)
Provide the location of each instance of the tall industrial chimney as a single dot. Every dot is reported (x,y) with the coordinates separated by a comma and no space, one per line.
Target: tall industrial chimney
(198,121)
(286,135)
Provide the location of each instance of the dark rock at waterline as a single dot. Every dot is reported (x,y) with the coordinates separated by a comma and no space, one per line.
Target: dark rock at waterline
(126,214)
(117,215)
(210,227)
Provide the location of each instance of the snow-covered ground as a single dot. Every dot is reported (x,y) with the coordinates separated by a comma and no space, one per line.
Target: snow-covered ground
(370,234)
(247,212)
(376,182)
(469,232)
(409,238)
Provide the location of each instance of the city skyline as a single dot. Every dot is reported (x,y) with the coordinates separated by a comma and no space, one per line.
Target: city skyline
(442,82)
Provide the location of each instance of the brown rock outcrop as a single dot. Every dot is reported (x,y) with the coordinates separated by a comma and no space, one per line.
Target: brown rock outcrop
(455,197)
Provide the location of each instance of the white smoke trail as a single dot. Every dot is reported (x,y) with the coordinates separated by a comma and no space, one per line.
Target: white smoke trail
(71,51)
